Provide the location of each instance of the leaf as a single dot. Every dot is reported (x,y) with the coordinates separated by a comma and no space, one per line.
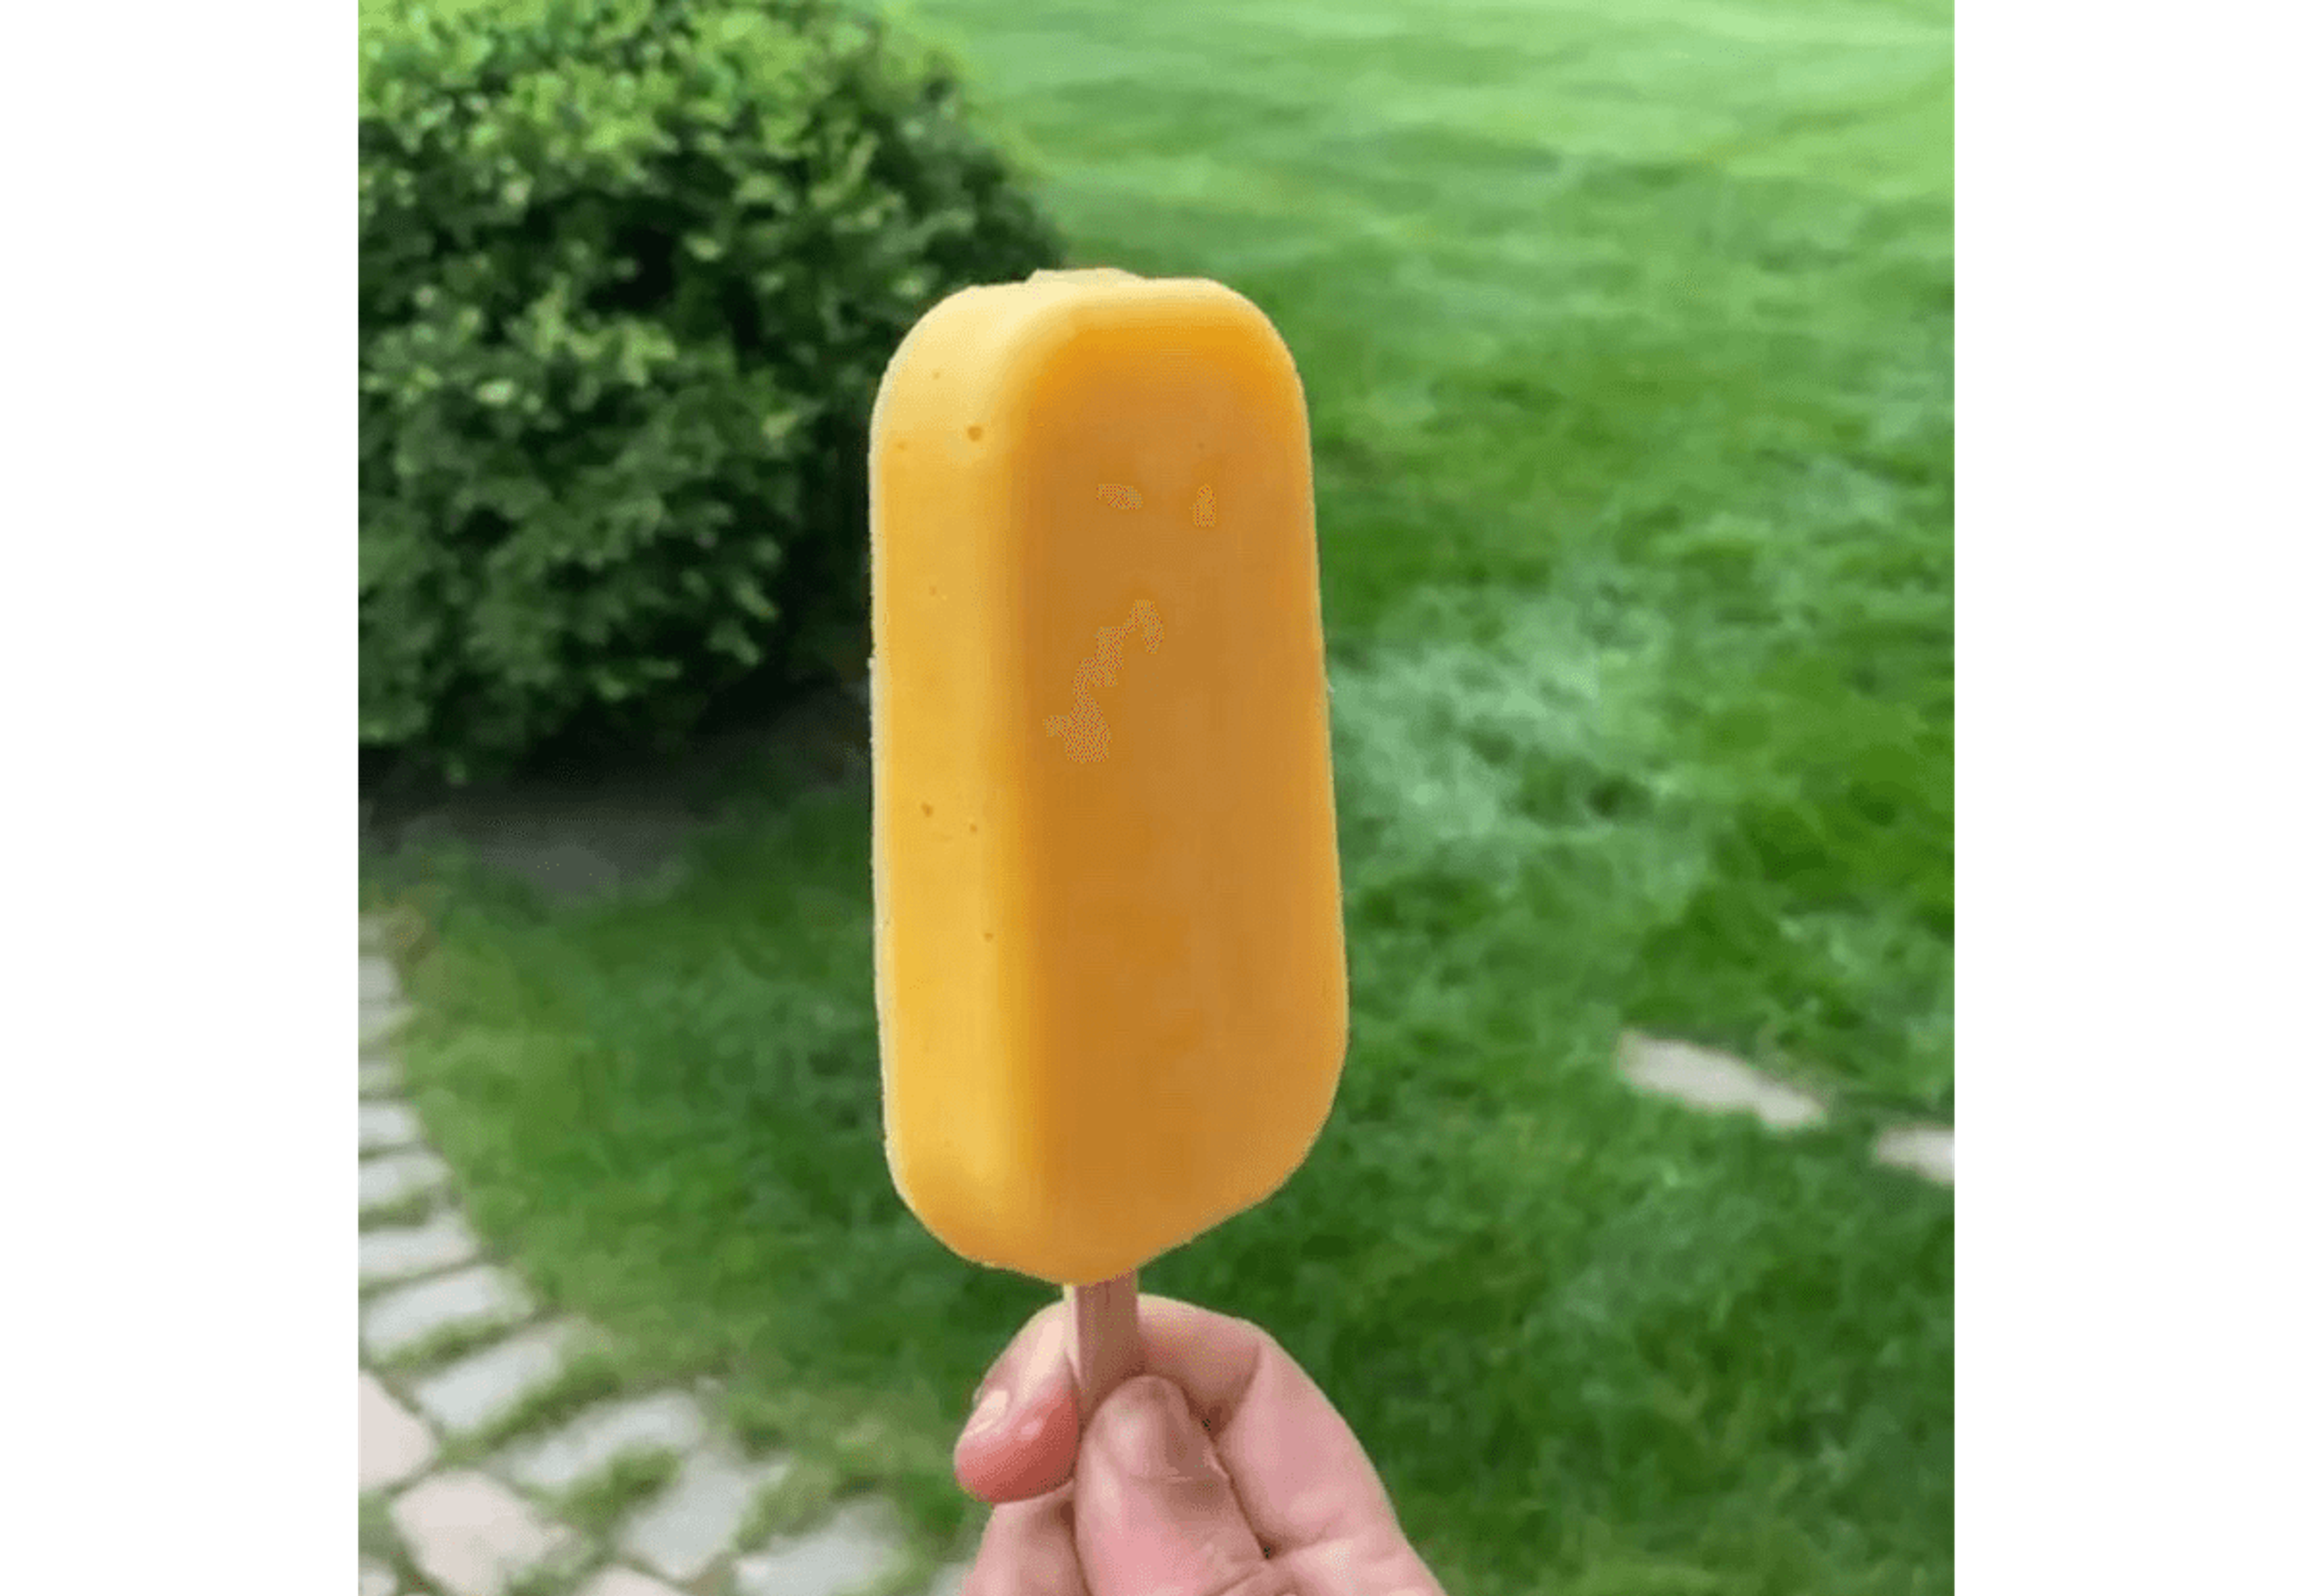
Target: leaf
(650,238)
(729,637)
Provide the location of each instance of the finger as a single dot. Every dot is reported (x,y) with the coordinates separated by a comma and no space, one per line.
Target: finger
(1154,1510)
(1301,1477)
(1022,1436)
(1028,1549)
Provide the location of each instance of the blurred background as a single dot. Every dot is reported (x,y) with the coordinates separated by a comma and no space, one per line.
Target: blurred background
(1626,330)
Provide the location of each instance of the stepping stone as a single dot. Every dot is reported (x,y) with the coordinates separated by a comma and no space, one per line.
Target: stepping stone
(692,1523)
(379,982)
(471,1536)
(484,1387)
(1716,1082)
(405,1253)
(377,1579)
(403,1318)
(1922,1149)
(400,1176)
(395,1443)
(592,1443)
(379,1079)
(626,1582)
(387,1126)
(854,1548)
(381,1021)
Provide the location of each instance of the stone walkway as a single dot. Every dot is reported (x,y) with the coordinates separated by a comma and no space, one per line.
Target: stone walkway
(496,1457)
(1721,1083)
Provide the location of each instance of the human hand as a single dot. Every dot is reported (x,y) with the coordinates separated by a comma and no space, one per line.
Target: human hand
(1221,1471)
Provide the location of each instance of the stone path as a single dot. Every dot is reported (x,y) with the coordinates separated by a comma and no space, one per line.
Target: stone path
(1721,1083)
(489,1453)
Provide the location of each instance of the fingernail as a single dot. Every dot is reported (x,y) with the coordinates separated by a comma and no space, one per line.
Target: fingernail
(1154,1436)
(989,1412)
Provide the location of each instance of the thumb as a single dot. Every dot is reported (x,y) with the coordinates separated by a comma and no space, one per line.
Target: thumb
(1155,1510)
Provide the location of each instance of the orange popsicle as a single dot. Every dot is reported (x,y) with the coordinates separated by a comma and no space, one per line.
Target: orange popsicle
(1111,985)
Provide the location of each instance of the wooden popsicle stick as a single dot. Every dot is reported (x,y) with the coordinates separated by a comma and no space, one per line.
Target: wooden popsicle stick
(1106,1321)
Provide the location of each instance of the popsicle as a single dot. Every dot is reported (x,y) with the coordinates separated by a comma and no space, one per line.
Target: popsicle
(1111,986)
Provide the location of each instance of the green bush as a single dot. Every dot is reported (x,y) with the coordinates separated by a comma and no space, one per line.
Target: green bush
(631,270)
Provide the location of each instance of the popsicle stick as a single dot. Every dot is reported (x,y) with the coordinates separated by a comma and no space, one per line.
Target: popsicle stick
(1106,1321)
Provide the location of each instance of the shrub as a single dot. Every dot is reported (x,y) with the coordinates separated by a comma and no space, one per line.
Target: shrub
(631,270)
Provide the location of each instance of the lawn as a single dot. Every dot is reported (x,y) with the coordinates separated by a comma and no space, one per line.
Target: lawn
(1626,328)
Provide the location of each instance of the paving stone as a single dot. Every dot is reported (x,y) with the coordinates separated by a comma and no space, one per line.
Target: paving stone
(471,1536)
(379,981)
(482,1387)
(1716,1082)
(407,1251)
(409,1314)
(381,1021)
(855,1547)
(669,1421)
(396,1176)
(1922,1149)
(692,1523)
(379,1078)
(626,1582)
(395,1443)
(388,1125)
(377,1579)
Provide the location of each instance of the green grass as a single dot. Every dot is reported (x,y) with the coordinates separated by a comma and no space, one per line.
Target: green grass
(804,1496)
(382,1543)
(403,1212)
(1626,330)
(548,1578)
(589,1375)
(448,1345)
(596,1505)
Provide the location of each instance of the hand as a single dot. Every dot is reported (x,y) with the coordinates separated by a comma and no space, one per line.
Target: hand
(1222,1471)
